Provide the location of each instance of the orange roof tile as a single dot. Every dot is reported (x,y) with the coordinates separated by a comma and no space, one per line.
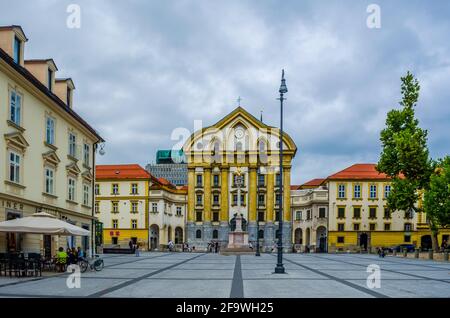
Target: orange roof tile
(313,183)
(125,171)
(295,187)
(360,171)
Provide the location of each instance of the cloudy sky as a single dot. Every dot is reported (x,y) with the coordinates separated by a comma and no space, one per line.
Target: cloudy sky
(143,68)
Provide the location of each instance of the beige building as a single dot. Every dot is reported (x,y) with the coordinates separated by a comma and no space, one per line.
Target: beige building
(132,205)
(309,206)
(47,148)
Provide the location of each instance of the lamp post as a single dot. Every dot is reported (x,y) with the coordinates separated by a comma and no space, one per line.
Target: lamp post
(279,269)
(258,172)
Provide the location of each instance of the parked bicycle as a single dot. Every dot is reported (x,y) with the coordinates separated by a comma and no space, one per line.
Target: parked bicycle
(95,263)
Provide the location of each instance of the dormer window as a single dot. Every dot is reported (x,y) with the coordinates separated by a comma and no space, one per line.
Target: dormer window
(17,45)
(50,80)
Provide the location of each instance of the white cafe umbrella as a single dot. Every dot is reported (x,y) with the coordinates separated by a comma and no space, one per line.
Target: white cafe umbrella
(42,223)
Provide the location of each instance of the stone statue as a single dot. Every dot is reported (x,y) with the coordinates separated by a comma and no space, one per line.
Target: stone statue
(233,223)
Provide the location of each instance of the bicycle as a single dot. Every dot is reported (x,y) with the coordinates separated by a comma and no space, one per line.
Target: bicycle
(96,264)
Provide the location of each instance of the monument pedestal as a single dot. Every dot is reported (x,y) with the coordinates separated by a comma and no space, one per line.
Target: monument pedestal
(238,240)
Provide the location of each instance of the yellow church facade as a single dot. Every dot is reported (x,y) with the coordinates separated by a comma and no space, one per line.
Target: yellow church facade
(238,144)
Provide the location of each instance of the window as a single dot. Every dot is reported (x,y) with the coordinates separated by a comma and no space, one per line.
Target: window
(372,213)
(356,212)
(239,146)
(17,45)
(261,199)
(14,167)
(134,188)
(199,199)
(373,191)
(198,216)
(372,226)
(322,212)
(308,214)
(114,240)
(340,239)
(278,180)
(215,234)
(261,216)
(97,189)
(298,215)
(387,213)
(198,234)
(341,212)
(235,178)
(154,207)
(50,131)
(115,224)
(134,207)
(216,180)
(261,180)
(341,191)
(341,227)
(387,226)
(114,207)
(387,190)
(215,216)
(261,234)
(72,145)
(49,180)
(407,238)
(71,189)
(408,215)
(97,207)
(86,155)
(134,224)
(277,199)
(408,227)
(216,199)
(199,180)
(235,199)
(357,191)
(356,227)
(115,188)
(86,190)
(178,211)
(49,79)
(15,107)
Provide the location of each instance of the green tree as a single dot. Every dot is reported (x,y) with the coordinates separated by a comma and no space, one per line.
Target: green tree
(437,198)
(405,156)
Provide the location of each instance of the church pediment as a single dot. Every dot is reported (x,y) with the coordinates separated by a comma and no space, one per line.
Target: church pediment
(73,169)
(51,157)
(237,132)
(17,140)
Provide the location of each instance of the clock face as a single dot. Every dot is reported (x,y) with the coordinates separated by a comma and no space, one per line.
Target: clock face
(239,133)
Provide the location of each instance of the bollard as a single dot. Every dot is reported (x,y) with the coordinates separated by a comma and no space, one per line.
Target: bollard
(416,253)
(430,254)
(446,256)
(405,252)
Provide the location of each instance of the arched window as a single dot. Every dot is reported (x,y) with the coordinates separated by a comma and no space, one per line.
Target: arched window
(261,146)
(198,234)
(215,234)
(238,146)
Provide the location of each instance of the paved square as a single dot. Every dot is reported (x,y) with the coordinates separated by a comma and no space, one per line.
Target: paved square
(185,275)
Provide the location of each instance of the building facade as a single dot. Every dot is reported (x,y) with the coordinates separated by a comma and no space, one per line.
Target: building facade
(239,144)
(175,173)
(121,204)
(359,218)
(309,206)
(135,206)
(47,149)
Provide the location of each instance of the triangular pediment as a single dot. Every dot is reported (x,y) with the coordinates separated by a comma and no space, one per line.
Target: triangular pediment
(87,175)
(73,169)
(17,140)
(51,157)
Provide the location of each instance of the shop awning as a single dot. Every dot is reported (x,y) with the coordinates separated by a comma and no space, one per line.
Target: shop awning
(42,223)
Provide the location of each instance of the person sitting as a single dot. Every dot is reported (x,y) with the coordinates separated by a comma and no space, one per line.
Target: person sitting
(80,253)
(61,260)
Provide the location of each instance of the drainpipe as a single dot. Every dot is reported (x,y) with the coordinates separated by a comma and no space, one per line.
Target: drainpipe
(92,247)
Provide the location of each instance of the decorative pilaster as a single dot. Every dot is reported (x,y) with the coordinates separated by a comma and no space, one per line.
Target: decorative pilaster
(286,195)
(252,195)
(224,195)
(270,195)
(207,194)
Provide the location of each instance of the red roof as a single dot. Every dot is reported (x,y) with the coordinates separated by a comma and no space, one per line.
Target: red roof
(164,181)
(295,187)
(360,171)
(313,183)
(131,171)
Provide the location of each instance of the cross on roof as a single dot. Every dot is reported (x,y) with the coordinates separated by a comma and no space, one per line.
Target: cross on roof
(239,100)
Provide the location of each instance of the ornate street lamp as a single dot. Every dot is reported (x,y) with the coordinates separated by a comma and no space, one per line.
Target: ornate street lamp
(279,269)
(258,172)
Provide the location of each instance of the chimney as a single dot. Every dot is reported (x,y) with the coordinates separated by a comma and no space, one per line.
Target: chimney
(12,41)
(64,90)
(43,70)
